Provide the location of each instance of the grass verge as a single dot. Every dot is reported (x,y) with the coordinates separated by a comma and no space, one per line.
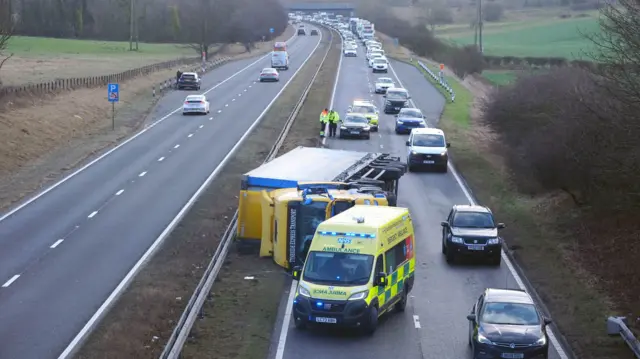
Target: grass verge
(573,299)
(243,313)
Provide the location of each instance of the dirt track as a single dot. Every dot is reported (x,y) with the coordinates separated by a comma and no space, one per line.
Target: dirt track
(140,323)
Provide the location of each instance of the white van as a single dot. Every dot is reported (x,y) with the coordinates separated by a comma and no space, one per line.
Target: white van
(280,60)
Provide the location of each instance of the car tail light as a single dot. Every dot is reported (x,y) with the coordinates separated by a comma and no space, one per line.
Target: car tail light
(186,102)
(202,102)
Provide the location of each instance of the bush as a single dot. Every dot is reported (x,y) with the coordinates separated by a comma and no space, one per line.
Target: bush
(492,12)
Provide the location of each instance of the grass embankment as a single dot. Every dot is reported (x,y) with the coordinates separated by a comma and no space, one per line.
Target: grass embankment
(532,235)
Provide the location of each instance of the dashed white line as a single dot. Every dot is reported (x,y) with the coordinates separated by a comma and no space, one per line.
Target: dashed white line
(251,85)
(92,214)
(218,112)
(142,174)
(239,94)
(381,146)
(416,322)
(160,159)
(201,126)
(176,146)
(57,243)
(190,135)
(226,105)
(10,281)
(233,99)
(119,192)
(245,90)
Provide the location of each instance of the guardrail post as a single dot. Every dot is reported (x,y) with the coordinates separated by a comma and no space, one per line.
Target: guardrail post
(618,326)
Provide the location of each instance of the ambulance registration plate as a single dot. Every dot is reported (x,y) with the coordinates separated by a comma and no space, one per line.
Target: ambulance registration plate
(326,320)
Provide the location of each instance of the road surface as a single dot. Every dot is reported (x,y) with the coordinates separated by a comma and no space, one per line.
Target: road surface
(65,252)
(434,324)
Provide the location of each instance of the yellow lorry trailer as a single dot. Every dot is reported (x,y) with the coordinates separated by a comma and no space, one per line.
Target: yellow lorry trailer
(282,202)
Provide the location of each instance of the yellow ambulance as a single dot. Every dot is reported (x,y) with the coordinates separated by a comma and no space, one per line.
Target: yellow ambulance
(360,266)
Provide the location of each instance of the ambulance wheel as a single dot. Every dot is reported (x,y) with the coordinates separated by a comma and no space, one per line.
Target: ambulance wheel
(402,304)
(300,323)
(372,323)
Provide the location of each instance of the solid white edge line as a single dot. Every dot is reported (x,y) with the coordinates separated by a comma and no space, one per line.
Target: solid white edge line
(106,305)
(282,343)
(92,214)
(335,86)
(56,243)
(10,281)
(142,174)
(284,330)
(75,173)
(119,192)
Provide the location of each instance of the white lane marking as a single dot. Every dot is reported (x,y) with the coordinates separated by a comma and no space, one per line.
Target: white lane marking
(335,86)
(239,94)
(57,243)
(92,214)
(176,146)
(142,174)
(190,135)
(160,159)
(233,99)
(251,85)
(416,322)
(245,90)
(95,318)
(219,111)
(54,186)
(282,342)
(226,105)
(505,258)
(119,192)
(381,146)
(201,126)
(10,281)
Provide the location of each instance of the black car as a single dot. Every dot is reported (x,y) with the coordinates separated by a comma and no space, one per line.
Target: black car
(471,230)
(395,99)
(505,323)
(314,32)
(355,125)
(189,80)
(301,32)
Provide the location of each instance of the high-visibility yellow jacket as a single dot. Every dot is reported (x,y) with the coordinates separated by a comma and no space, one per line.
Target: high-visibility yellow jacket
(334,117)
(323,117)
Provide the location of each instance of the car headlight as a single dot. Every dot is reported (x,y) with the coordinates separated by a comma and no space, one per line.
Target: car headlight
(366,128)
(483,340)
(542,341)
(413,153)
(444,153)
(303,291)
(493,241)
(359,295)
(400,122)
(455,239)
(343,127)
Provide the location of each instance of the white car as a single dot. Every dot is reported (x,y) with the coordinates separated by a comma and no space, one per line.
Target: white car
(351,44)
(380,64)
(350,52)
(373,57)
(383,83)
(195,104)
(374,53)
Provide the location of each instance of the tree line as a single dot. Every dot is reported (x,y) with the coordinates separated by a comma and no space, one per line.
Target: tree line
(180,21)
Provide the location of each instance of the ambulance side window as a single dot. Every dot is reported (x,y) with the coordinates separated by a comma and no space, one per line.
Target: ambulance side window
(396,256)
(379,265)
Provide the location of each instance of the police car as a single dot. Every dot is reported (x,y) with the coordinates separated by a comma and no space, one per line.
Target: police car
(368,109)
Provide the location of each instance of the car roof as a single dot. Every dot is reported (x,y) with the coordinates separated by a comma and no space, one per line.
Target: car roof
(194,96)
(355,114)
(385,78)
(190,73)
(397,89)
(471,208)
(507,296)
(427,131)
(362,103)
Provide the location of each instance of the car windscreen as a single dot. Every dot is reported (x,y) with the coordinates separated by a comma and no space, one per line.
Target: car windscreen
(195,99)
(188,77)
(333,268)
(473,220)
(397,94)
(384,80)
(356,119)
(428,140)
(509,314)
(410,113)
(363,109)
(379,61)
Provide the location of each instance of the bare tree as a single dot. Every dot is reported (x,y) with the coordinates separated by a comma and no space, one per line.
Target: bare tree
(7,22)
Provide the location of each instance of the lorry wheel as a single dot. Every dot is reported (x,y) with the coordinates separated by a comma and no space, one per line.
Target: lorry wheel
(372,323)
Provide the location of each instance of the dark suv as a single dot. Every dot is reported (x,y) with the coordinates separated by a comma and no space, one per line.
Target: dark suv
(395,99)
(301,32)
(505,323)
(471,231)
(189,80)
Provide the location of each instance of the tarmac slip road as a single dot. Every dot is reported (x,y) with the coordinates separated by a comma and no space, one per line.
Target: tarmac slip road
(64,253)
(434,324)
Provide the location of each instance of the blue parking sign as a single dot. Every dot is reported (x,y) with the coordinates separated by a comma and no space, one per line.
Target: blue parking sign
(271,30)
(113,92)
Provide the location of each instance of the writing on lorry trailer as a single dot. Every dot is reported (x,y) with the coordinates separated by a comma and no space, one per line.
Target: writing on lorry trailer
(282,202)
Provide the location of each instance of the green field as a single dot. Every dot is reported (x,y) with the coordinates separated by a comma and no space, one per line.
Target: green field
(553,37)
(500,78)
(25,46)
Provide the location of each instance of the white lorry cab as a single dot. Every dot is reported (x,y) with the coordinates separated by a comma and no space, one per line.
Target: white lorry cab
(280,60)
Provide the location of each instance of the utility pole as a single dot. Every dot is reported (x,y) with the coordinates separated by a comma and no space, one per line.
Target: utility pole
(136,28)
(131,29)
(480,23)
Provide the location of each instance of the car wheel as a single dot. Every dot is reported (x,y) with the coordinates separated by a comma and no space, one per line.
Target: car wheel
(402,304)
(444,249)
(397,132)
(495,260)
(449,256)
(300,323)
(372,322)
(444,168)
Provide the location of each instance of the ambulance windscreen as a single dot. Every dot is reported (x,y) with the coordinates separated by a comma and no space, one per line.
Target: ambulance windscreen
(335,268)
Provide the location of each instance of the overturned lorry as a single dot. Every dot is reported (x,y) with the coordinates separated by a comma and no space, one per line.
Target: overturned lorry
(282,202)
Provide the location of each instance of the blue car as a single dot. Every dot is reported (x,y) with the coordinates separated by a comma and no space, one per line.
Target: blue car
(408,119)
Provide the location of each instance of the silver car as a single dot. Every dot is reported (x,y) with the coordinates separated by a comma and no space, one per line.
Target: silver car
(197,104)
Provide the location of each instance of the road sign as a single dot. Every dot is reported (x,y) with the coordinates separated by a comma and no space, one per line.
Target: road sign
(272,30)
(114,92)
(441,67)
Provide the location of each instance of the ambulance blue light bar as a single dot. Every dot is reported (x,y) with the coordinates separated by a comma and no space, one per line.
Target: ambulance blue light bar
(343,234)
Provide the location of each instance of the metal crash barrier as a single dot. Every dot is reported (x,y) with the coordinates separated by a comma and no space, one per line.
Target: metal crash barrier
(618,326)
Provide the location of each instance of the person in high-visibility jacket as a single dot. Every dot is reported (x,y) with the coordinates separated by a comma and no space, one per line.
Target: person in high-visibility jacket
(333,118)
(323,121)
